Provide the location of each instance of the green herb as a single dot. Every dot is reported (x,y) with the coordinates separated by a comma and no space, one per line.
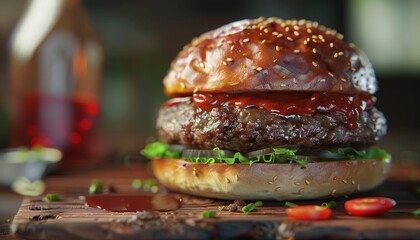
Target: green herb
(51,197)
(208,214)
(290,204)
(416,212)
(330,204)
(95,186)
(221,208)
(250,207)
(372,153)
(158,150)
(137,184)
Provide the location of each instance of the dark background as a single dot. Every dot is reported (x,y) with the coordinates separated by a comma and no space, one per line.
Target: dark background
(142,37)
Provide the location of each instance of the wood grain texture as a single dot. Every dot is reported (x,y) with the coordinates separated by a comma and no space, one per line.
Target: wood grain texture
(70,218)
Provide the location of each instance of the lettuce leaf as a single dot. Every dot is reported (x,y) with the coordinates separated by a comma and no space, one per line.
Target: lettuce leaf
(279,155)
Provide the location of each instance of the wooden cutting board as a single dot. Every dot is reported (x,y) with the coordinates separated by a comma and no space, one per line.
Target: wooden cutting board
(71,218)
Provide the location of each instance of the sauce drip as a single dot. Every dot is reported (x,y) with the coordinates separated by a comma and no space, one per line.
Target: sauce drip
(132,202)
(292,103)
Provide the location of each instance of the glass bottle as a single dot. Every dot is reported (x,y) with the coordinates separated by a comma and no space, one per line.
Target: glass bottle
(56,61)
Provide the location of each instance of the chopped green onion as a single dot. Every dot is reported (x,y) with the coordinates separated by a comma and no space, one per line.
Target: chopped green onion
(248,208)
(51,197)
(330,204)
(95,186)
(290,204)
(221,208)
(137,184)
(416,212)
(149,184)
(208,214)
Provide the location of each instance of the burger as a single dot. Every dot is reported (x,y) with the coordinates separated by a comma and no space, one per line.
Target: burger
(270,109)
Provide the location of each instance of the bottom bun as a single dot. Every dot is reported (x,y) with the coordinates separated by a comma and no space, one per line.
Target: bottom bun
(267,181)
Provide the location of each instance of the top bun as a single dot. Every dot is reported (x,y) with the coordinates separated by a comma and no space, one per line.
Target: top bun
(270,55)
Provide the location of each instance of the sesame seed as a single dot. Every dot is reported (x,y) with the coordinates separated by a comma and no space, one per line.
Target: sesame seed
(323,80)
(315,64)
(340,53)
(244,54)
(335,55)
(305,42)
(314,40)
(270,182)
(246,40)
(232,47)
(258,69)
(290,39)
(343,79)
(344,181)
(341,87)
(358,187)
(229,42)
(201,65)
(263,41)
(253,68)
(353,182)
(277,189)
(277,48)
(275,33)
(224,63)
(275,60)
(282,85)
(313,50)
(333,192)
(229,59)
(308,30)
(297,184)
(301,190)
(287,29)
(280,35)
(296,51)
(339,35)
(265,30)
(307,182)
(296,27)
(331,45)
(330,73)
(296,33)
(220,43)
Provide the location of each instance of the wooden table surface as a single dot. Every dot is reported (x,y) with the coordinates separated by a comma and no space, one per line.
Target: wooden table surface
(70,218)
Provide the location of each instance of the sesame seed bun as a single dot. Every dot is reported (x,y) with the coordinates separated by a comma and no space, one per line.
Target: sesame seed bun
(270,55)
(261,181)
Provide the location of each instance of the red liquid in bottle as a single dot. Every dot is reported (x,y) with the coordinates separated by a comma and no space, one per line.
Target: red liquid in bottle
(52,121)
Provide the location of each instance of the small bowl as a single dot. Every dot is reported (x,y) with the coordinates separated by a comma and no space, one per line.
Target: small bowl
(32,164)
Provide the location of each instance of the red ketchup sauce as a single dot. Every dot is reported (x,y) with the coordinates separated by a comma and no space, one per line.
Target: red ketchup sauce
(287,103)
(132,202)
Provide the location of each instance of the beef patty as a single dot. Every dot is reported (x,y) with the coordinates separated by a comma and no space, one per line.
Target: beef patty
(247,129)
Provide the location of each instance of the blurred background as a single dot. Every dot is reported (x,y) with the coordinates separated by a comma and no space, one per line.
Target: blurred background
(138,39)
